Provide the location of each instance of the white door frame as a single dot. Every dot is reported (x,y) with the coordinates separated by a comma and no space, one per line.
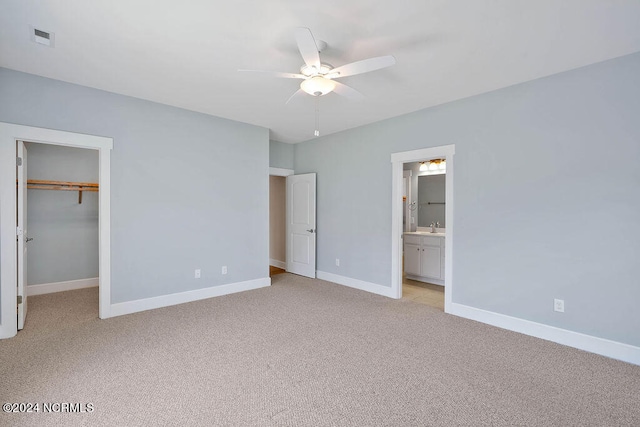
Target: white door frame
(281,172)
(397,160)
(9,134)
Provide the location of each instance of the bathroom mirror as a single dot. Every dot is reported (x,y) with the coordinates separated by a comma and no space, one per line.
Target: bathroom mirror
(431,200)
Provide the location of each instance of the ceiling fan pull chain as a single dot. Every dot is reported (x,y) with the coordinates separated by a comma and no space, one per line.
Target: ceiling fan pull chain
(317,131)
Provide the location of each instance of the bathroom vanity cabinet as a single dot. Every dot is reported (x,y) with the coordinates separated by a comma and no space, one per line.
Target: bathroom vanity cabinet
(424,257)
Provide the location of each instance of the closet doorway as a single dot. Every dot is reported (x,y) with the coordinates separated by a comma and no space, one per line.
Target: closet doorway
(277,220)
(10,135)
(63,218)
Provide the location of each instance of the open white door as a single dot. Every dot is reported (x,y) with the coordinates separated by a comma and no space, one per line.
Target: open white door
(21,231)
(301,224)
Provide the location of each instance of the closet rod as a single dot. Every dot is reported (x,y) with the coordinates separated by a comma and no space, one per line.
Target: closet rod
(40,184)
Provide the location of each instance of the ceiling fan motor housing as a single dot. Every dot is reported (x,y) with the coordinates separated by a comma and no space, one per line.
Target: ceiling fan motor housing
(312,70)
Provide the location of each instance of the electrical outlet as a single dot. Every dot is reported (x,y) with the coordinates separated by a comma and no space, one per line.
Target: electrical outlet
(224,269)
(558,305)
(337,262)
(197,273)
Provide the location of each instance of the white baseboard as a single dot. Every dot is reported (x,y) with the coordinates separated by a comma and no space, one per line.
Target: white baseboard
(355,283)
(70,285)
(279,264)
(604,347)
(129,307)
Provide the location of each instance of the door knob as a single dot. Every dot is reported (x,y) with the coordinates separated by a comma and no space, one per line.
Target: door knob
(28,239)
(311,230)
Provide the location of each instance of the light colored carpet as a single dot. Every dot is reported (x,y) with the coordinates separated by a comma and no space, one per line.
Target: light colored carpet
(301,353)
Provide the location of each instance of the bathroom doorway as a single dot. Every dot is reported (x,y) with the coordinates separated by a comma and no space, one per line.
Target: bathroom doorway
(424,216)
(436,246)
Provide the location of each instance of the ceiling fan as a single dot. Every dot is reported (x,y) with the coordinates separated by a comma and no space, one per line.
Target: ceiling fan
(318,78)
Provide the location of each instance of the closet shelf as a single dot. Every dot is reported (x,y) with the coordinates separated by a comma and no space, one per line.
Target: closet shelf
(38,184)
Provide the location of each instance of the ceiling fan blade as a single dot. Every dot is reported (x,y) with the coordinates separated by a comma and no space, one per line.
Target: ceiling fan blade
(363,66)
(295,95)
(277,74)
(308,47)
(347,92)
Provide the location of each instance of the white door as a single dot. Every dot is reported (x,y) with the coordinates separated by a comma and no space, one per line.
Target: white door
(22,233)
(301,224)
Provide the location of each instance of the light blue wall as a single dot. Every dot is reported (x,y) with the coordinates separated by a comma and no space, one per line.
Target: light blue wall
(547,197)
(65,232)
(280,155)
(177,200)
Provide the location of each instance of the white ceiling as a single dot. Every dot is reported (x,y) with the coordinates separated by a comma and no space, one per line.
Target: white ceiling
(187,53)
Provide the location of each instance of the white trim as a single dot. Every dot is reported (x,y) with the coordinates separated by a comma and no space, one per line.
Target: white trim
(604,347)
(397,160)
(355,283)
(104,247)
(129,307)
(9,134)
(281,172)
(279,264)
(396,229)
(69,285)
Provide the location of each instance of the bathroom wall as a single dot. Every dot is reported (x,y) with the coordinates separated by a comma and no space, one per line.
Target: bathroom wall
(424,214)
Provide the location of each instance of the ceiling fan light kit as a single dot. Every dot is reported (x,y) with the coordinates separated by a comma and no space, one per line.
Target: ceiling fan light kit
(318,86)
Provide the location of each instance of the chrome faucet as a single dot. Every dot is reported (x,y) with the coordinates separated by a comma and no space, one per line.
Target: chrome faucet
(433,227)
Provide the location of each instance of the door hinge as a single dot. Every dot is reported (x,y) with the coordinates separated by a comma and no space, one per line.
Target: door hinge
(18,231)
(19,161)
(19,299)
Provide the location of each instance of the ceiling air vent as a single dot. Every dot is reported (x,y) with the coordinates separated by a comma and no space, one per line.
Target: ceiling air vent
(42,37)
